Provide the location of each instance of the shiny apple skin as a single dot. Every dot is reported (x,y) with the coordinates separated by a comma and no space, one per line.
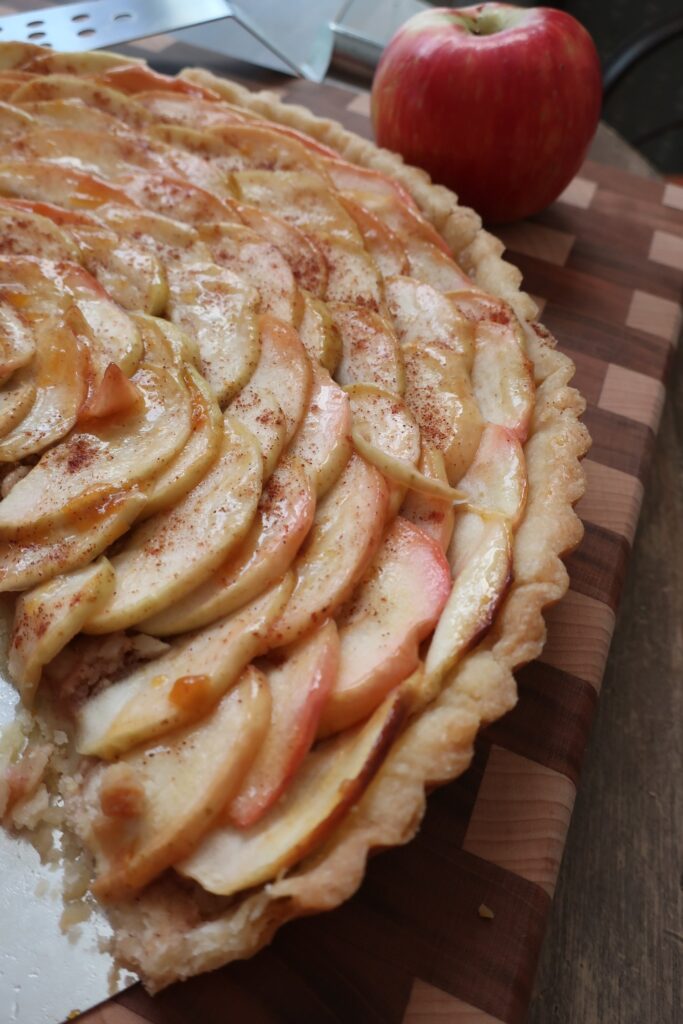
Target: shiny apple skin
(503,119)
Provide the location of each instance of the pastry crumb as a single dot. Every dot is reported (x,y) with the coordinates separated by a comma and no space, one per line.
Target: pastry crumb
(486,912)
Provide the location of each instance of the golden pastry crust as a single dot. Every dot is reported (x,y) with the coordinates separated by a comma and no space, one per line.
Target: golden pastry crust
(171,931)
(437,745)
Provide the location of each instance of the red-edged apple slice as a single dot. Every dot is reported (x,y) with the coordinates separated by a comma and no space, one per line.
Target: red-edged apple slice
(65,113)
(299,688)
(439,395)
(259,263)
(305,258)
(433,514)
(261,413)
(148,810)
(13,120)
(134,76)
(63,87)
(323,441)
(422,315)
(346,533)
(199,454)
(330,780)
(284,370)
(71,188)
(284,517)
(29,560)
(380,630)
(181,685)
(477,305)
(219,309)
(98,153)
(352,276)
(502,378)
(384,246)
(113,455)
(17,396)
(348,177)
(17,342)
(185,109)
(165,344)
(370,350)
(173,552)
(318,334)
(91,62)
(113,395)
(26,233)
(173,197)
(481,556)
(496,482)
(301,198)
(47,617)
(240,147)
(60,370)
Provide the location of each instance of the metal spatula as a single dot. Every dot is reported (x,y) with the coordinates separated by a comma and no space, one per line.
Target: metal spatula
(103,23)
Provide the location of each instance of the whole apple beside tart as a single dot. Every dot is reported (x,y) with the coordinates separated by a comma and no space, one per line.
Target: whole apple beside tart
(288,467)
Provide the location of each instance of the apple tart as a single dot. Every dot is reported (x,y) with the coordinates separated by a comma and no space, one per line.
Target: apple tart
(288,466)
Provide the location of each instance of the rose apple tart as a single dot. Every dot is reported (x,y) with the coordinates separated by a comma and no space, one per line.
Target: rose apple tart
(288,467)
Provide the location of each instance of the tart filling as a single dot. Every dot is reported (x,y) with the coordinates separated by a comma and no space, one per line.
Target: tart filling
(288,467)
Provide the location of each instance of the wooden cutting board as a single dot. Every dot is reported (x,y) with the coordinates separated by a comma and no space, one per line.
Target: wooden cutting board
(450,926)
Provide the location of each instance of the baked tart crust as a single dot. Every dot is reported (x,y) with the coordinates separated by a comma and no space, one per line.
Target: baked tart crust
(171,929)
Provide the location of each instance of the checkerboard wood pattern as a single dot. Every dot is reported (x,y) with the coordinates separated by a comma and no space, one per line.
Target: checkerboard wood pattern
(449,927)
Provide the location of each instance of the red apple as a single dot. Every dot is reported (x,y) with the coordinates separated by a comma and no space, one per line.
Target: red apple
(496,101)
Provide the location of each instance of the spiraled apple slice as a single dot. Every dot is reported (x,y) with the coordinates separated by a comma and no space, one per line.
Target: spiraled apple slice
(385,421)
(147,809)
(16,398)
(259,263)
(346,533)
(91,62)
(239,147)
(299,688)
(175,550)
(25,233)
(67,112)
(71,188)
(349,177)
(173,197)
(481,556)
(301,252)
(89,466)
(60,87)
(501,377)
(261,413)
(331,779)
(201,451)
(181,685)
(47,617)
(323,441)
(318,333)
(113,395)
(165,344)
(386,249)
(93,152)
(29,560)
(60,370)
(496,481)
(218,309)
(13,120)
(283,369)
(284,517)
(370,350)
(184,109)
(301,198)
(352,276)
(422,315)
(17,343)
(439,395)
(396,606)
(433,514)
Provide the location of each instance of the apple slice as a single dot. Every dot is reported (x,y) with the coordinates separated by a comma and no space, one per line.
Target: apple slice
(151,810)
(13,120)
(181,685)
(27,561)
(301,252)
(370,350)
(384,246)
(16,398)
(64,113)
(284,517)
(477,305)
(261,413)
(496,482)
(199,454)
(94,152)
(481,556)
(63,87)
(60,370)
(439,395)
(184,109)
(323,441)
(113,395)
(17,342)
(174,197)
(91,62)
(348,177)
(283,369)
(301,198)
(299,688)
(259,263)
(71,188)
(502,378)
(49,616)
(165,344)
(135,76)
(25,233)
(352,276)
(331,779)
(318,333)
(433,514)
(396,606)
(174,551)
(89,466)
(217,308)
(346,533)
(422,315)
